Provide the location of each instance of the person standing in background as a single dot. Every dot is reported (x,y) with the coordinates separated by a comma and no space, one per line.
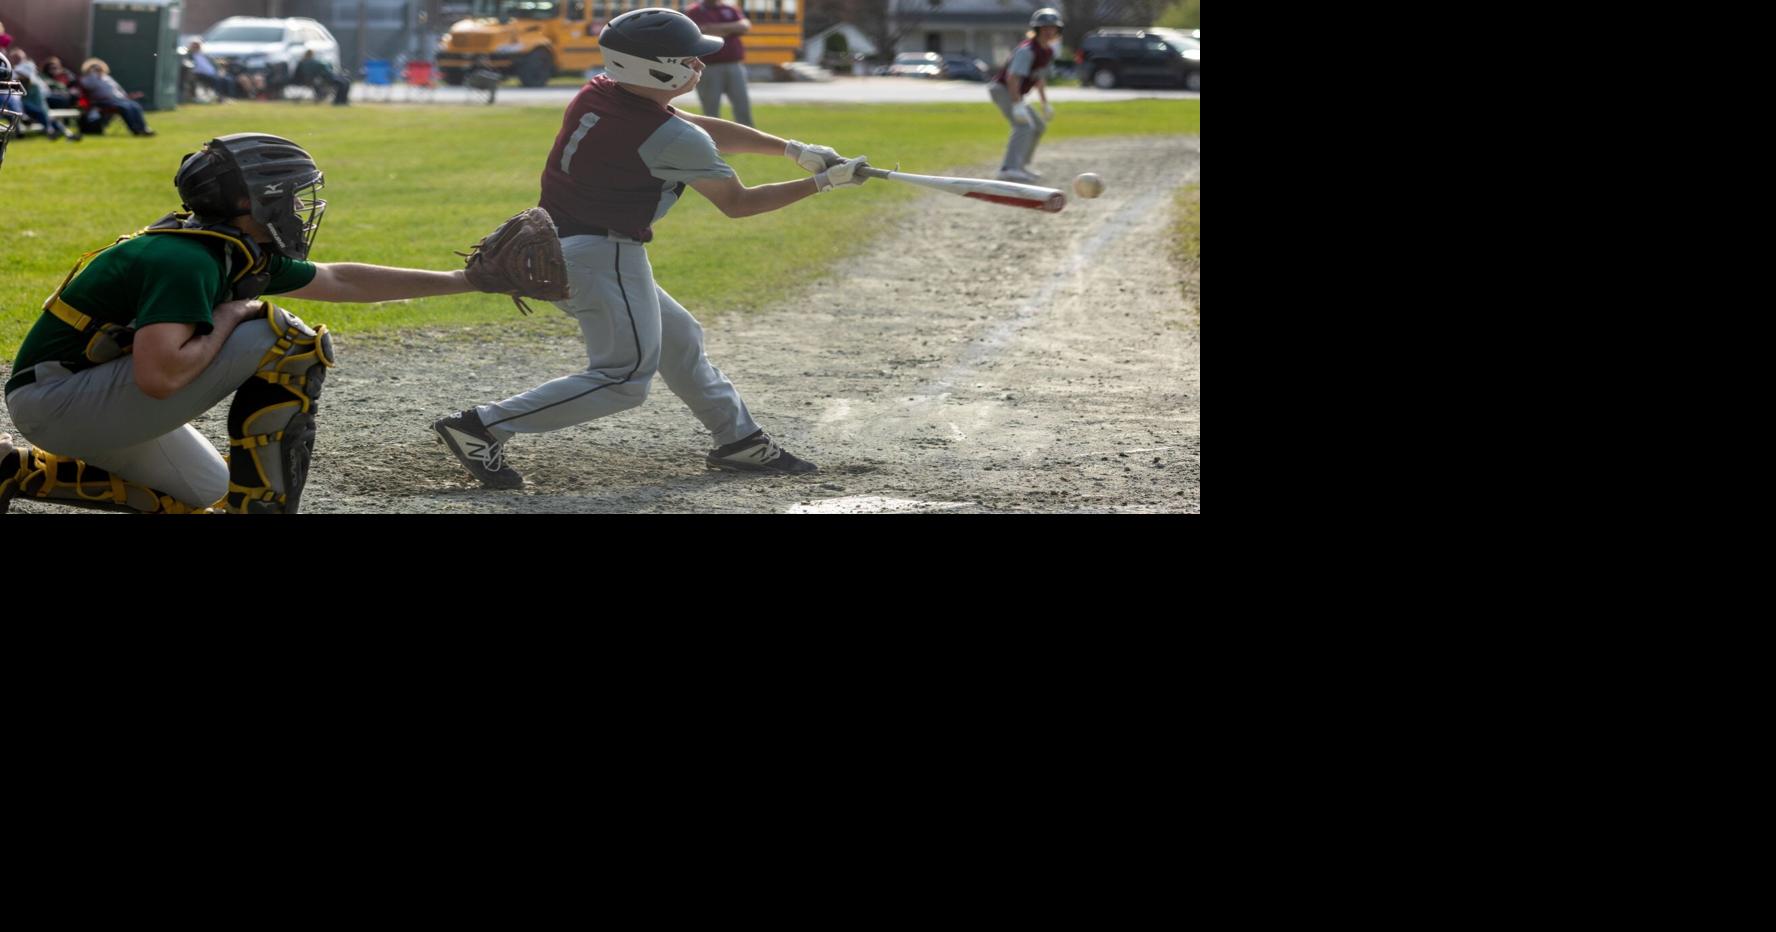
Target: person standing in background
(724,72)
(1027,71)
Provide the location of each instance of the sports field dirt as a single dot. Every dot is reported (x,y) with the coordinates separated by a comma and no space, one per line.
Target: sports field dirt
(979,359)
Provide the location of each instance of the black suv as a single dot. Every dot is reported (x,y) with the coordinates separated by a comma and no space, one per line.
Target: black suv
(1113,57)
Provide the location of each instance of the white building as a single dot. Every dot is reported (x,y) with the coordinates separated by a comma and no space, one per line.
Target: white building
(985,29)
(856,42)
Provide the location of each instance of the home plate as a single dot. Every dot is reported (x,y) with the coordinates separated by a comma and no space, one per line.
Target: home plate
(869,505)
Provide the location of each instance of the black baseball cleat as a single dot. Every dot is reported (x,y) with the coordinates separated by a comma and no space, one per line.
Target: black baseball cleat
(482,455)
(758,453)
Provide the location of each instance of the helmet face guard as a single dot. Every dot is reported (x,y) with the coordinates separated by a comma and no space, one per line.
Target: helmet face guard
(12,93)
(294,220)
(665,73)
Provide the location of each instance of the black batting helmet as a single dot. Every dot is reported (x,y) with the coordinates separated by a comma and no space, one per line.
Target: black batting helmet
(276,178)
(652,47)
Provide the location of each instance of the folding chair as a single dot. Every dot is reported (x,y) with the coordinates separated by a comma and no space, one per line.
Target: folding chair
(421,79)
(379,78)
(481,84)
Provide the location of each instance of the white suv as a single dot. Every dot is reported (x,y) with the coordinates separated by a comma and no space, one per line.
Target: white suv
(271,47)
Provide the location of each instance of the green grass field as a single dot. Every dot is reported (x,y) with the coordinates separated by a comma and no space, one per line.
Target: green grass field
(407,185)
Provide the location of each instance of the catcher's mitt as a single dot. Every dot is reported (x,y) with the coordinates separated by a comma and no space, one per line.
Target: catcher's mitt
(521,258)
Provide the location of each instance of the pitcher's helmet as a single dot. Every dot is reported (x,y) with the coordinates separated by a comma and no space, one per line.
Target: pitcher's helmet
(277,177)
(652,47)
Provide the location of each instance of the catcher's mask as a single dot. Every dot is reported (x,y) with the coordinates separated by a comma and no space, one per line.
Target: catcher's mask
(277,177)
(12,94)
(654,48)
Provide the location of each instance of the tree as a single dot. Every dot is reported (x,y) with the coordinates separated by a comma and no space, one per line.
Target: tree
(885,21)
(1083,16)
(1182,14)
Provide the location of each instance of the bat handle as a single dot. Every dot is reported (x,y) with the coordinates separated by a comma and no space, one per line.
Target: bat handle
(868,172)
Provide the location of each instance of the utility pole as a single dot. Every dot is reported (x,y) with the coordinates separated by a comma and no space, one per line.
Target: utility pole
(363,28)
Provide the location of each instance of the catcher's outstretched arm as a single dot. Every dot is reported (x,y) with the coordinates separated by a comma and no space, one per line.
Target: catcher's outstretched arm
(360,283)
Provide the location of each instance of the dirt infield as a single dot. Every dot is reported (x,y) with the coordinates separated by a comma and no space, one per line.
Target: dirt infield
(986,359)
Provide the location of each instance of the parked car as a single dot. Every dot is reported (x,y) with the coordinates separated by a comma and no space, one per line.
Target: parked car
(269,48)
(954,66)
(917,65)
(1117,56)
(960,67)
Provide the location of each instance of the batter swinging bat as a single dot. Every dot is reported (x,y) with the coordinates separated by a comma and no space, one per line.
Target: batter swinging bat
(1009,193)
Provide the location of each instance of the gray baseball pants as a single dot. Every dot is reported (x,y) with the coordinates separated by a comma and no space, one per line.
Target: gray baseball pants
(727,78)
(632,329)
(1022,147)
(100,416)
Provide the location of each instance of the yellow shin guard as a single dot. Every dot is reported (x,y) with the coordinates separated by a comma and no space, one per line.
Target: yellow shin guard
(271,422)
(64,480)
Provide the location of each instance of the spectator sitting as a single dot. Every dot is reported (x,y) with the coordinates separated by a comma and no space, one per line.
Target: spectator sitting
(204,69)
(58,84)
(312,72)
(25,70)
(104,93)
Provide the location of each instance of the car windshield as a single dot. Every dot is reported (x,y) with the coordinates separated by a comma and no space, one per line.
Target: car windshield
(528,9)
(915,58)
(260,34)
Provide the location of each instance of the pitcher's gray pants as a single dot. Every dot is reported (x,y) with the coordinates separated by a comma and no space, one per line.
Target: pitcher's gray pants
(727,78)
(100,416)
(633,329)
(1022,147)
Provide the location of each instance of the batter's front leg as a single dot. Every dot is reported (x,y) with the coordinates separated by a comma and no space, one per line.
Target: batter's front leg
(619,317)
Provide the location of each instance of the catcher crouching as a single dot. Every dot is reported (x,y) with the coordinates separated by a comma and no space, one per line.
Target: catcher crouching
(150,332)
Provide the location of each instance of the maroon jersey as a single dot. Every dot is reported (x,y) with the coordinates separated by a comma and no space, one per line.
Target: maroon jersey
(1031,61)
(621,161)
(704,14)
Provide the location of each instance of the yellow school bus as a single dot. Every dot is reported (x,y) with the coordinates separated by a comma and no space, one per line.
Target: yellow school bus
(534,40)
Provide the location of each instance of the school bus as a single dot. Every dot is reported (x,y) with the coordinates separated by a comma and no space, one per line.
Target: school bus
(534,40)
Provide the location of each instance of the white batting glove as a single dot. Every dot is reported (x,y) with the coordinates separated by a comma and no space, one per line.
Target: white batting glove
(1021,114)
(1048,111)
(812,158)
(842,175)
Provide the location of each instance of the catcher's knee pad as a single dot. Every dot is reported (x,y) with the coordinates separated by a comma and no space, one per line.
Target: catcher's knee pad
(65,480)
(271,423)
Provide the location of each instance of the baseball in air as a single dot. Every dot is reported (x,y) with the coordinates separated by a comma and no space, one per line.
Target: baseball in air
(1088,185)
